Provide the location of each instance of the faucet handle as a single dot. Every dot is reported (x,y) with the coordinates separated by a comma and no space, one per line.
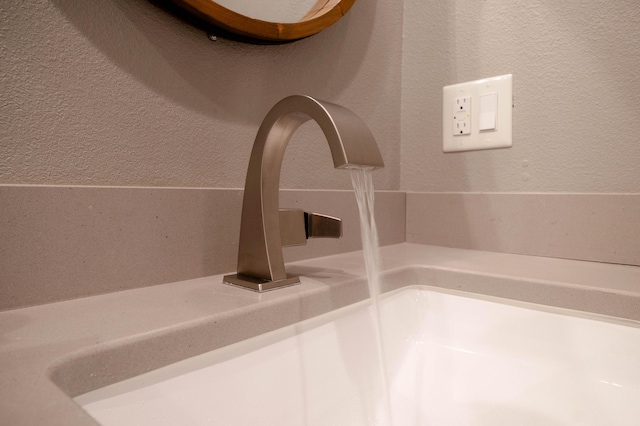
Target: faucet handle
(322,226)
(296,226)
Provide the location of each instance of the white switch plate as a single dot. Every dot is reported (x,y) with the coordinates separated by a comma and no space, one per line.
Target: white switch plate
(500,137)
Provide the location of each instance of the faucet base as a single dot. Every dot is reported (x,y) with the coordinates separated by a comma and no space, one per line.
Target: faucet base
(257,284)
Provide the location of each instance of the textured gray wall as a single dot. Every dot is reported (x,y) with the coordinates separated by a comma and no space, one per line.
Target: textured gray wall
(576,88)
(120,93)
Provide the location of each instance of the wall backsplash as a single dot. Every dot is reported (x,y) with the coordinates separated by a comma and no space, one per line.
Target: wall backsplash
(61,243)
(592,227)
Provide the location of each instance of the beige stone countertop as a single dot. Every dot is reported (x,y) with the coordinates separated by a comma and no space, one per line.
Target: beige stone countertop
(51,353)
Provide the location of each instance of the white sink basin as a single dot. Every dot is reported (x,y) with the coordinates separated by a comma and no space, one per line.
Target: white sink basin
(450,359)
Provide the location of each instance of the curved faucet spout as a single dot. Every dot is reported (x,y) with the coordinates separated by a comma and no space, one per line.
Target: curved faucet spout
(260,258)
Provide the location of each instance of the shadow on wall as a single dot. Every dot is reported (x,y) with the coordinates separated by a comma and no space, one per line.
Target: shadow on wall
(223,78)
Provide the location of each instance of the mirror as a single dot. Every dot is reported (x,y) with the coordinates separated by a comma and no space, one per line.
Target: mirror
(262,22)
(285,11)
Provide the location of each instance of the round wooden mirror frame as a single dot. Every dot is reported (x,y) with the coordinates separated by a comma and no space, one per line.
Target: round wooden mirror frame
(323,14)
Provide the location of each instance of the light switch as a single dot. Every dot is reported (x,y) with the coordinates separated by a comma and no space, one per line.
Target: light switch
(488,111)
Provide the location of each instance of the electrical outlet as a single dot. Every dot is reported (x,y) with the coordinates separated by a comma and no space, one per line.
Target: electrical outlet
(478,114)
(462,116)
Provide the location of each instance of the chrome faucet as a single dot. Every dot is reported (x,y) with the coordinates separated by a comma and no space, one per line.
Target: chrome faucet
(265,228)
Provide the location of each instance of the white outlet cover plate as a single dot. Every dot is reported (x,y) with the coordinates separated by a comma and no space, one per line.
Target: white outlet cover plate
(501,137)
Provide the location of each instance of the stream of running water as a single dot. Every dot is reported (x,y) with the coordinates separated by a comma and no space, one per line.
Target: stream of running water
(363,187)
